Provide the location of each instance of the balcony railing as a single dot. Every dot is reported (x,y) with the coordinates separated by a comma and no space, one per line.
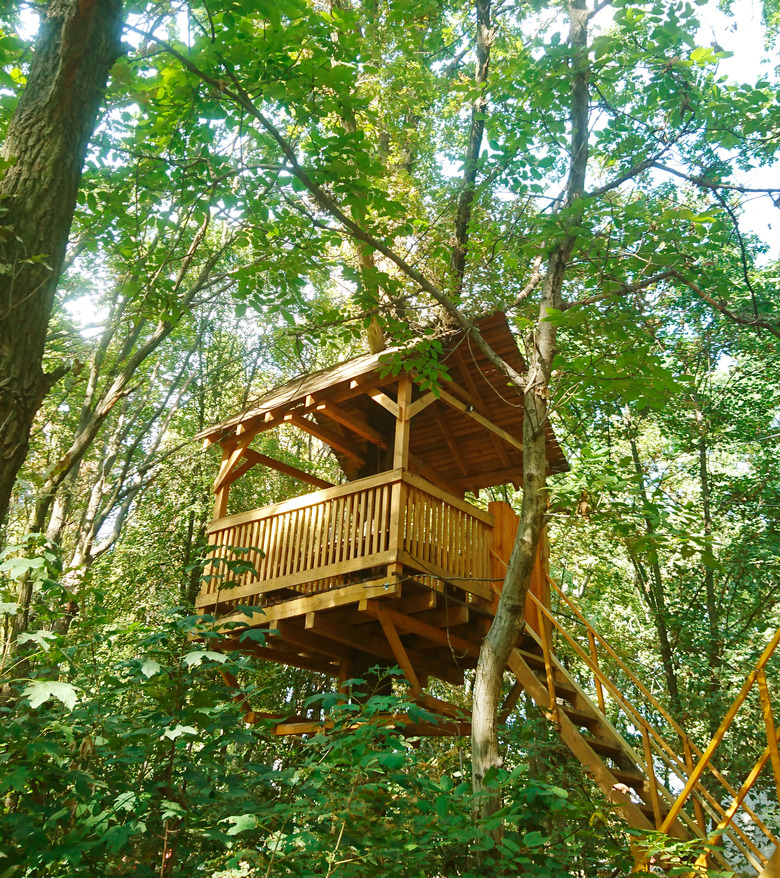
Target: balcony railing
(347,534)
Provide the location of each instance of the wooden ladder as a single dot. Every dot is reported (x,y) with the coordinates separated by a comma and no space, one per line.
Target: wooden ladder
(629,779)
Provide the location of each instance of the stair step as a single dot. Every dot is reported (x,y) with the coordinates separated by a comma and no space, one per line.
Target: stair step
(629,778)
(579,717)
(647,810)
(563,688)
(532,659)
(605,748)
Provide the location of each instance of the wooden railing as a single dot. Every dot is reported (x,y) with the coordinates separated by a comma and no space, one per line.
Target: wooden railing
(682,765)
(446,537)
(317,542)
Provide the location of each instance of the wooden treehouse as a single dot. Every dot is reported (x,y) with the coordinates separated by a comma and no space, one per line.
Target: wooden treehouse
(396,567)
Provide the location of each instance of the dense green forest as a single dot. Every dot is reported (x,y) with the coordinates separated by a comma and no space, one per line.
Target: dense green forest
(202,201)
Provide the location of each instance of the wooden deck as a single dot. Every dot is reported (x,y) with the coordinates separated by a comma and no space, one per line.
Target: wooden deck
(400,555)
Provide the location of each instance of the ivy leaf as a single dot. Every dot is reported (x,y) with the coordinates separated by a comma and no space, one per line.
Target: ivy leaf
(196,657)
(10,607)
(150,667)
(172,810)
(40,692)
(241,823)
(41,638)
(16,567)
(178,731)
(125,801)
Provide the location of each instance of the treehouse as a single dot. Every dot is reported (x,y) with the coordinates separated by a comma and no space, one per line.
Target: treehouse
(394,566)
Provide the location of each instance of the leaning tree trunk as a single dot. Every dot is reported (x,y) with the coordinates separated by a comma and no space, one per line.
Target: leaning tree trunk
(509,619)
(46,143)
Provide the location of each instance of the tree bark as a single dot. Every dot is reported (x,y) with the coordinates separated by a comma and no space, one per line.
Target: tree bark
(485,37)
(653,590)
(509,619)
(713,611)
(46,143)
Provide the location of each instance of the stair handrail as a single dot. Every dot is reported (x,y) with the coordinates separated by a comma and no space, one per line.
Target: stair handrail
(730,789)
(697,772)
(670,758)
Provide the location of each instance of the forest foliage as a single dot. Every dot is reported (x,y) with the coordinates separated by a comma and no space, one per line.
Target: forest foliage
(267,182)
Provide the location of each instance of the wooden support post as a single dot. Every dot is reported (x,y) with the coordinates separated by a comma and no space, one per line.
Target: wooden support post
(769,725)
(595,656)
(400,461)
(772,867)
(548,664)
(221,487)
(697,808)
(402,424)
(504,532)
(651,779)
(401,656)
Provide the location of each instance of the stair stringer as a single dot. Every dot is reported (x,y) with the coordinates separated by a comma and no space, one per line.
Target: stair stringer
(576,742)
(609,784)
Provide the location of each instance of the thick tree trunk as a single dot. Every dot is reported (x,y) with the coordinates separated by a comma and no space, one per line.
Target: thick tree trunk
(47,140)
(509,618)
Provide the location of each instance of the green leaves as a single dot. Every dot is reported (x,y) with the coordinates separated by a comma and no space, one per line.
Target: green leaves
(150,667)
(42,691)
(240,823)
(195,657)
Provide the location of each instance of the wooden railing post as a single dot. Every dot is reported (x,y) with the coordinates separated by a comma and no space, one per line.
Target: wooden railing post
(398,490)
(698,810)
(595,656)
(504,532)
(651,778)
(769,725)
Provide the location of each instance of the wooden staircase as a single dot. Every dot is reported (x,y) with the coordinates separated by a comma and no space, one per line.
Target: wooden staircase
(651,786)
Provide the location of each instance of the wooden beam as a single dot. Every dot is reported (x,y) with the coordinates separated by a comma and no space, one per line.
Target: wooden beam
(352,422)
(255,458)
(448,616)
(294,634)
(471,398)
(401,656)
(428,632)
(420,404)
(480,406)
(230,456)
(501,476)
(462,407)
(320,666)
(510,703)
(350,594)
(384,400)
(332,439)
(377,646)
(451,444)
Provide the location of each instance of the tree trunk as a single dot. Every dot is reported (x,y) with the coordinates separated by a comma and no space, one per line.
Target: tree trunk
(713,612)
(653,588)
(509,619)
(78,42)
(485,37)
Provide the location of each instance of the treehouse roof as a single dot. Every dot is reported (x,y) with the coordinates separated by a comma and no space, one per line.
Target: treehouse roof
(466,436)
